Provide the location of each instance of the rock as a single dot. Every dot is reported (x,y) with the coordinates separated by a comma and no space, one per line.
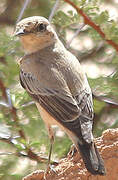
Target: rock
(72,167)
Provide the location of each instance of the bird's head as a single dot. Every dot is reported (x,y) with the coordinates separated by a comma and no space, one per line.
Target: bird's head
(35,33)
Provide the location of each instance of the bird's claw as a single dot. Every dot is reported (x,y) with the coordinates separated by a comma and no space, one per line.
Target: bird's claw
(48,169)
(72,151)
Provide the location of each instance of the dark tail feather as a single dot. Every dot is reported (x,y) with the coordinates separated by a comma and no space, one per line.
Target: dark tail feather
(92,159)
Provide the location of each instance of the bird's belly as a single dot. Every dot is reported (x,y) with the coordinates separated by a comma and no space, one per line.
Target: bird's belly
(49,121)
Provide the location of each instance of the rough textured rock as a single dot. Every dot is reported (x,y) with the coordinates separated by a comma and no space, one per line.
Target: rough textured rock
(72,168)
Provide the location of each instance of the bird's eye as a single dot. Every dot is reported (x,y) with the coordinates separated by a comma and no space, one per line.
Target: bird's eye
(41,27)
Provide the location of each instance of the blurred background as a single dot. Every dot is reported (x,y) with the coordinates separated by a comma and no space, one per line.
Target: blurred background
(24,142)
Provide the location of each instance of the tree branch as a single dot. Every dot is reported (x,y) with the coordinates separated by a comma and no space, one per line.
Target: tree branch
(109,101)
(53,10)
(88,21)
(25,4)
(13,111)
(3,89)
(74,36)
(29,154)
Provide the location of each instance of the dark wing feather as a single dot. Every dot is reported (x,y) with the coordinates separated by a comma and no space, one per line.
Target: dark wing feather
(68,111)
(86,118)
(62,109)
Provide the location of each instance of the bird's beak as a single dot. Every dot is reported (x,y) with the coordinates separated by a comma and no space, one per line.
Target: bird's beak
(19,32)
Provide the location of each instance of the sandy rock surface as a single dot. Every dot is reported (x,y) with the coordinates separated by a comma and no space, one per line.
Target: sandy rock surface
(72,167)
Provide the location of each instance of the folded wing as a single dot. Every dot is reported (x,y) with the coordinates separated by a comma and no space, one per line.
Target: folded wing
(74,112)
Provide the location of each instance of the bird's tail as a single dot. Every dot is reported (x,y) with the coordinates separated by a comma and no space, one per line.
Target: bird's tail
(92,158)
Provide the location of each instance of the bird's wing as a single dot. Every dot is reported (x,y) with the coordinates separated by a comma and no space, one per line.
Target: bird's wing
(73,112)
(85,120)
(59,103)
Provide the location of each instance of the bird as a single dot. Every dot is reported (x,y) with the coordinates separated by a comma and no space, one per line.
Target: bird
(55,80)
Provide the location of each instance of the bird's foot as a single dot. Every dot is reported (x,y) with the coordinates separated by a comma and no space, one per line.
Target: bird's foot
(72,151)
(50,168)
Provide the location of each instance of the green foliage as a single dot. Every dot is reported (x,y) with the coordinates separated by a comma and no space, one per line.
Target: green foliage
(28,119)
(102,18)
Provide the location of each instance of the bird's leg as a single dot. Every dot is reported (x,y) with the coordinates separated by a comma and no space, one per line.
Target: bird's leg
(51,136)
